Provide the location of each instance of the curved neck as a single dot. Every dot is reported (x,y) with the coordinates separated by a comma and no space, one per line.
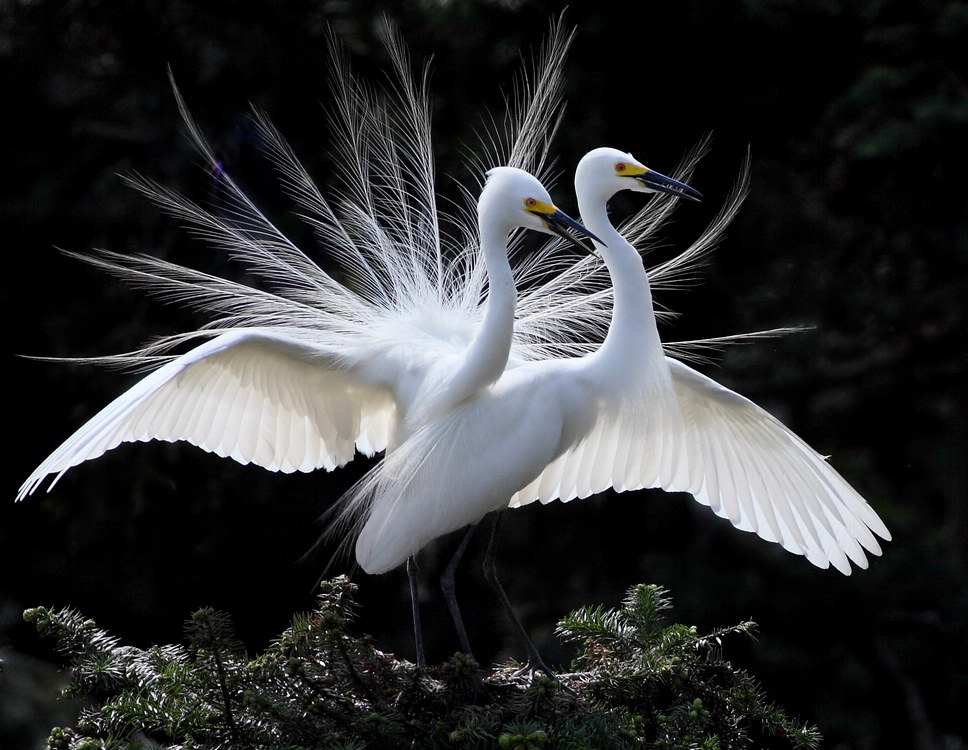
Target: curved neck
(632,331)
(487,355)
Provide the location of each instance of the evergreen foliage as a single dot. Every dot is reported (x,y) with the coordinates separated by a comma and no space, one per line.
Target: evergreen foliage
(638,684)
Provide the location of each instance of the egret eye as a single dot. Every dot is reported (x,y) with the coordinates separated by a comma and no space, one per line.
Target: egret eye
(530,202)
(621,167)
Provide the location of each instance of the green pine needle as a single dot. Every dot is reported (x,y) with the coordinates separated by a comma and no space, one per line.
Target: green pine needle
(638,683)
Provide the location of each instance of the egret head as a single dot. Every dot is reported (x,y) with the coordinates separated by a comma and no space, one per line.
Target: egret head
(606,171)
(513,198)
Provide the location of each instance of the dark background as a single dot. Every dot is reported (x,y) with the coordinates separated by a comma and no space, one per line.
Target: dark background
(855,114)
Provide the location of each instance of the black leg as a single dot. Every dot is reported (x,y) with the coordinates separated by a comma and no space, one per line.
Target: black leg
(535,663)
(412,573)
(447,586)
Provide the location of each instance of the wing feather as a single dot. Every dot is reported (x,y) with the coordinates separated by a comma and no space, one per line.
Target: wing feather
(600,478)
(732,456)
(621,458)
(256,396)
(765,479)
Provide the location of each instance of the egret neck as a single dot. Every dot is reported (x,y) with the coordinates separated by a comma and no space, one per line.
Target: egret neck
(633,331)
(486,356)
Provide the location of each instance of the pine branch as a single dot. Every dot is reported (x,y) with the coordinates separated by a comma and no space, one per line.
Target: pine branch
(638,683)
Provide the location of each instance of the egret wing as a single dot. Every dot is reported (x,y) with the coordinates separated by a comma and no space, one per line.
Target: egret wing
(732,456)
(255,396)
(749,467)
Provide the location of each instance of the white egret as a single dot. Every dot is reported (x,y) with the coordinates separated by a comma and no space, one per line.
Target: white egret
(303,377)
(300,377)
(625,417)
(278,397)
(674,428)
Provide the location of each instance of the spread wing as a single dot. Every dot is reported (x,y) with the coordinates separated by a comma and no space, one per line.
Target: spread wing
(255,396)
(730,455)
(750,468)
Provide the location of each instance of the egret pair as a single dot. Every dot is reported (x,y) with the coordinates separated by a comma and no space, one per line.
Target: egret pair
(473,414)
(625,417)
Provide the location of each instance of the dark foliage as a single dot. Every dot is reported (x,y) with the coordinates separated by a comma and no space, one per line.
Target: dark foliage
(640,684)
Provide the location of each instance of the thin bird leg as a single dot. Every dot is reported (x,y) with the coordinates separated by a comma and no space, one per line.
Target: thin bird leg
(447,586)
(535,662)
(412,572)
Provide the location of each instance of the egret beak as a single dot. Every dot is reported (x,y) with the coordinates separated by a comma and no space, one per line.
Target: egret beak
(659,183)
(559,222)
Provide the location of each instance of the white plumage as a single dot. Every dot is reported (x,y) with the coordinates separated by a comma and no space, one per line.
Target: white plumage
(405,354)
(625,416)
(293,399)
(304,375)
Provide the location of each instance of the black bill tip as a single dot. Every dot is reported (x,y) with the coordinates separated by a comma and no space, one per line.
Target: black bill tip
(659,183)
(560,223)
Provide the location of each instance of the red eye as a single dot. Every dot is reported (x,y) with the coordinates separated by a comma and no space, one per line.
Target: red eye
(530,202)
(620,167)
